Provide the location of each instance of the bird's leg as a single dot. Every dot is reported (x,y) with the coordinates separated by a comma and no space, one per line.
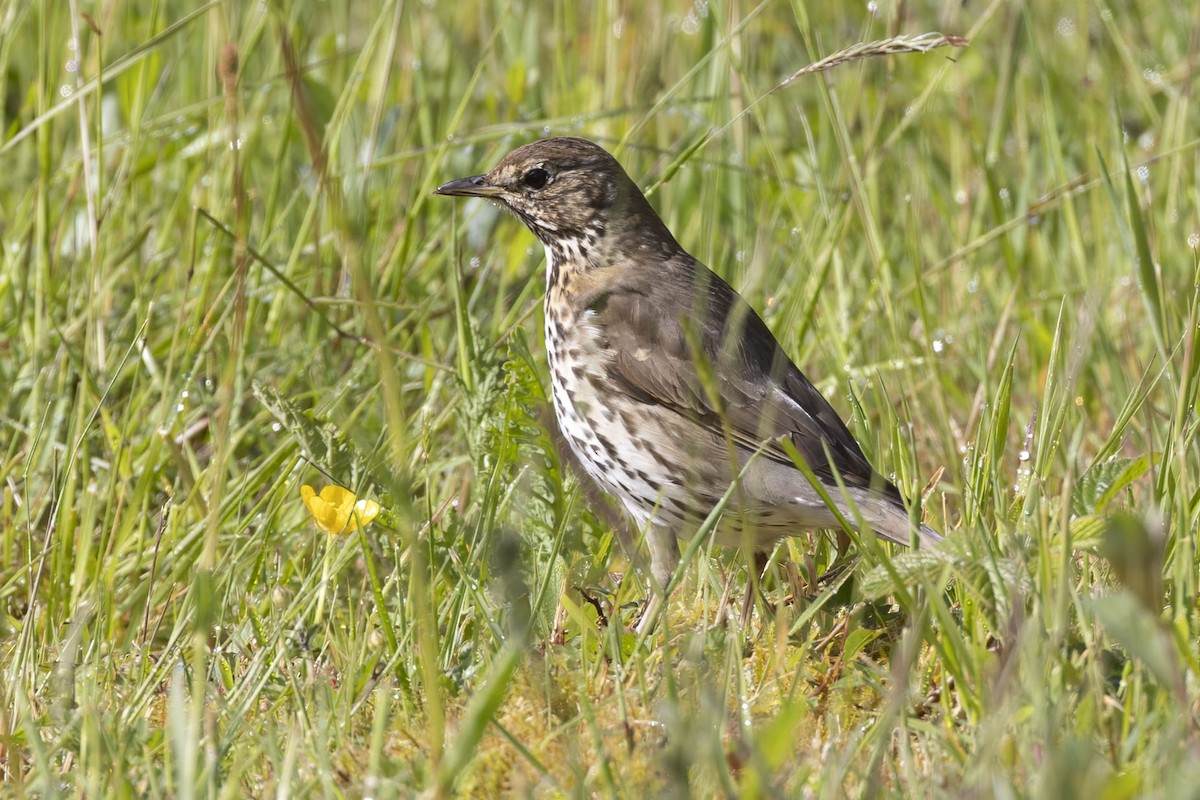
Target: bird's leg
(748,599)
(664,558)
(757,562)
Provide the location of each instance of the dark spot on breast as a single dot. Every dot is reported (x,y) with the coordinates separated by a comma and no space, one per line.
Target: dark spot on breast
(631,424)
(657,455)
(608,446)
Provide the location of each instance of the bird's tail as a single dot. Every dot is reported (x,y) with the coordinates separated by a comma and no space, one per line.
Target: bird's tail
(889,520)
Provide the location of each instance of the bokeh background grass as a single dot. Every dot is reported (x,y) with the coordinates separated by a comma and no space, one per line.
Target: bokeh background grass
(222,275)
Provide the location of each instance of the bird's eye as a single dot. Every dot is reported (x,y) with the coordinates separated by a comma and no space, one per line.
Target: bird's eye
(536,178)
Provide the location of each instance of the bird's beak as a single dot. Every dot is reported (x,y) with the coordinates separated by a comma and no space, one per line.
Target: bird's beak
(476,186)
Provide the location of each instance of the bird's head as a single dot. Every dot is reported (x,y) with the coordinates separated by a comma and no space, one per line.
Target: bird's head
(561,188)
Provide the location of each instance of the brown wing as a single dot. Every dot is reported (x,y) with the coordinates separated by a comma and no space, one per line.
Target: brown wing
(750,380)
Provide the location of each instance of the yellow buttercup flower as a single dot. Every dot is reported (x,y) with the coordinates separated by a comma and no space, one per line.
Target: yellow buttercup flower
(337,510)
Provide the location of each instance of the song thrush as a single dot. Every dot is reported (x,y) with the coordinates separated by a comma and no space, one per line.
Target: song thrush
(666,384)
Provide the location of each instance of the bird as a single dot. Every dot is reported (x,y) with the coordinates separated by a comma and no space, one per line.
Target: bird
(667,386)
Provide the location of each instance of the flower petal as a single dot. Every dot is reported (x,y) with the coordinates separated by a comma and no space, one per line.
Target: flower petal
(365,511)
(336,510)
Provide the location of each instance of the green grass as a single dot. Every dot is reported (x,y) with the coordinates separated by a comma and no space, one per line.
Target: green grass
(222,275)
